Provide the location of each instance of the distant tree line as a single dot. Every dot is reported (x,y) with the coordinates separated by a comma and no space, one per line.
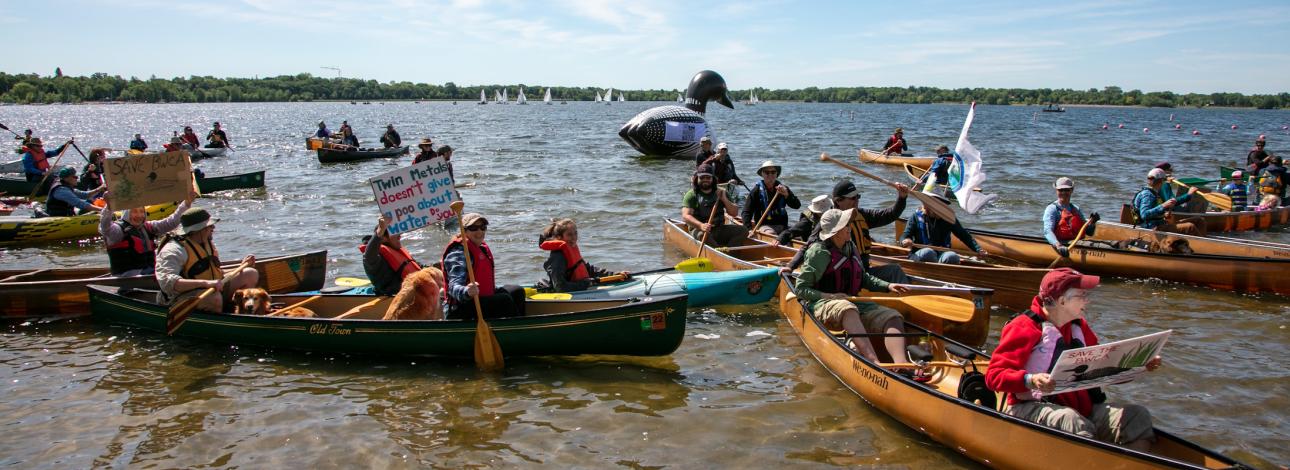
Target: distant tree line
(58,88)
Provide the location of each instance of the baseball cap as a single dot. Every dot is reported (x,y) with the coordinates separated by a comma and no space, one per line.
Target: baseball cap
(1156,174)
(1064,183)
(1060,280)
(845,188)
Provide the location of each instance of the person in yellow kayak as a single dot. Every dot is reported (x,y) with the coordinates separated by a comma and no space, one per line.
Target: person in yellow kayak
(1029,346)
(832,272)
(188,264)
(566,270)
(1150,210)
(65,200)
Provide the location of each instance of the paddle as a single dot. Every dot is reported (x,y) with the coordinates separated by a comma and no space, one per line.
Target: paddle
(488,354)
(704,242)
(352,282)
(692,265)
(942,306)
(178,313)
(78,150)
(930,203)
(51,170)
(1222,201)
(1079,236)
(764,212)
(15,134)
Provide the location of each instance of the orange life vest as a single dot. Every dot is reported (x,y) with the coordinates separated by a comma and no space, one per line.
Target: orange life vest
(1068,225)
(398,260)
(576,268)
(481,261)
(39,158)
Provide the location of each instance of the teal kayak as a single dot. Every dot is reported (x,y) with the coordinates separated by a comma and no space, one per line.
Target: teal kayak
(741,287)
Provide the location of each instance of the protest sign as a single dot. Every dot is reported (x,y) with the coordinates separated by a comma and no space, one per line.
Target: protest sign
(675,131)
(149,178)
(415,197)
(1106,364)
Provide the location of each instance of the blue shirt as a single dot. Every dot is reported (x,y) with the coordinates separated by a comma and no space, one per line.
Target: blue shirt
(73,197)
(1151,212)
(1053,214)
(138,144)
(1239,194)
(29,161)
(322,133)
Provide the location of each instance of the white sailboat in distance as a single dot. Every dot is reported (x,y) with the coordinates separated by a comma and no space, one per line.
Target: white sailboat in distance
(505,100)
(679,99)
(483,99)
(609,96)
(620,97)
(521,99)
(497,96)
(597,96)
(547,97)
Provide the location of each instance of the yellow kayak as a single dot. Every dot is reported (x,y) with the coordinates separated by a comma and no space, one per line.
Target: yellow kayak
(23,230)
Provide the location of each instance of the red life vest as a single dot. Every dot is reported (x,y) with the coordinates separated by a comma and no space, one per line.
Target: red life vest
(844,274)
(577,269)
(134,251)
(1068,225)
(39,158)
(399,261)
(481,261)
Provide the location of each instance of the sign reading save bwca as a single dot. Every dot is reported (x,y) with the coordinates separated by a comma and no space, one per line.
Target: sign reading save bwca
(415,197)
(150,178)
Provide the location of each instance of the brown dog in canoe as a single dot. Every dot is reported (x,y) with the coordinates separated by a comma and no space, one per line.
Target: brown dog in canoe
(418,299)
(256,301)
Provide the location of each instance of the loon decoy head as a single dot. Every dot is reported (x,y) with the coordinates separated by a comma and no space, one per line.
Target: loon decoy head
(707,86)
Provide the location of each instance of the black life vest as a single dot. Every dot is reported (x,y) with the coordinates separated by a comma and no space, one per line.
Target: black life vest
(56,207)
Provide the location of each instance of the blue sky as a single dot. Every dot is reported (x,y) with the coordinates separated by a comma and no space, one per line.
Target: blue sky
(1181,46)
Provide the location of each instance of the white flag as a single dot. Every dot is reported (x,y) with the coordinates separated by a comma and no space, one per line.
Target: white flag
(967,173)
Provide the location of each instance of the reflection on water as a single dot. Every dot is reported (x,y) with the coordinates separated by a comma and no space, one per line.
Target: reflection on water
(741,390)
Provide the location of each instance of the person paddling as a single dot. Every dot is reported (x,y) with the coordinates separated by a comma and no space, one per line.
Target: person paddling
(1150,210)
(92,174)
(1063,219)
(832,271)
(847,196)
(565,268)
(65,200)
(347,137)
(217,137)
(138,143)
(704,208)
(35,162)
(939,173)
(723,168)
(1031,343)
(190,138)
(494,301)
(131,241)
(758,207)
(925,228)
(896,144)
(385,260)
(188,263)
(1257,159)
(322,133)
(390,138)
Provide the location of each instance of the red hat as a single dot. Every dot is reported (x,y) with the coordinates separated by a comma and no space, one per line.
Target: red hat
(1057,282)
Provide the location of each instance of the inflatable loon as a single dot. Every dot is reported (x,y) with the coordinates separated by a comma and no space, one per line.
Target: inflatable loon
(674,131)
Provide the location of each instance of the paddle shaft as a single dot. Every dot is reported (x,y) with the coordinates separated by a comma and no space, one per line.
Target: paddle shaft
(944,307)
(78,150)
(1079,236)
(765,211)
(934,206)
(704,242)
(15,134)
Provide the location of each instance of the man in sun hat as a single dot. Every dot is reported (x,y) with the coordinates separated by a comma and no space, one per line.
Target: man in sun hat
(1150,210)
(35,161)
(699,204)
(188,264)
(896,144)
(427,150)
(65,200)
(1237,190)
(705,151)
(832,272)
(805,224)
(925,228)
(1063,219)
(758,202)
(1029,345)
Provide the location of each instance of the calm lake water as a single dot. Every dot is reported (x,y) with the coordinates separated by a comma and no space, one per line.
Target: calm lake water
(741,390)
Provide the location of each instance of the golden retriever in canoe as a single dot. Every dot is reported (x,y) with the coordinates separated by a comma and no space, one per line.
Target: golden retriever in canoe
(256,301)
(418,299)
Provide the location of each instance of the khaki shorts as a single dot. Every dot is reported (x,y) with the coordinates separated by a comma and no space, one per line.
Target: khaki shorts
(1114,423)
(872,316)
(226,292)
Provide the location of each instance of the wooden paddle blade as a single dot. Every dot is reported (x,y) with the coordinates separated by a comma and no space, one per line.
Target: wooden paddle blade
(179,312)
(947,308)
(612,279)
(695,265)
(935,206)
(488,354)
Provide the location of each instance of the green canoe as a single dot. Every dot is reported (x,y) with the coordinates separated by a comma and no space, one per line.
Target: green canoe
(649,326)
(225,183)
(333,155)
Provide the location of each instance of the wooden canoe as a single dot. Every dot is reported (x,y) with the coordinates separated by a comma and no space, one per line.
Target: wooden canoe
(61,291)
(17,230)
(650,326)
(1234,273)
(869,156)
(1225,221)
(334,155)
(1014,286)
(224,183)
(969,421)
(759,254)
(1123,235)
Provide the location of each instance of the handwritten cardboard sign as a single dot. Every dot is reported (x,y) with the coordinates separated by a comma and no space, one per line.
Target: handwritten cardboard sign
(1106,364)
(675,131)
(415,197)
(149,178)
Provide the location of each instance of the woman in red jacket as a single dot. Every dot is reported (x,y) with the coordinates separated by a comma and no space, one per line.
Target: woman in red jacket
(1031,343)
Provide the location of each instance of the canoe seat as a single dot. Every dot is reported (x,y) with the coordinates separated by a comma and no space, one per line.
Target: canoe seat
(972,389)
(918,353)
(960,351)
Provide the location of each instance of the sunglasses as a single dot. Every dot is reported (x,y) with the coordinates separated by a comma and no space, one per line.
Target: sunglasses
(1065,190)
(477,228)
